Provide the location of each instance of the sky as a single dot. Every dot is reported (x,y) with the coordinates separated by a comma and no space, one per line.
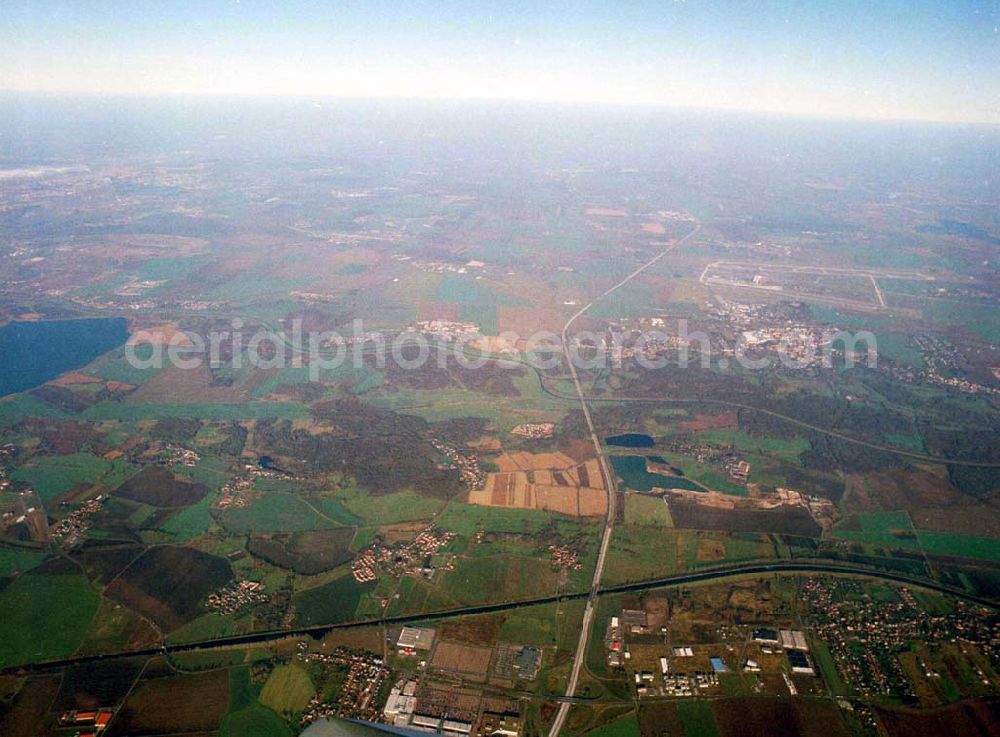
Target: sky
(900,59)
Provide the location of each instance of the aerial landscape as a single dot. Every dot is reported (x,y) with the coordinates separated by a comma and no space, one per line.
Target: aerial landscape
(495,418)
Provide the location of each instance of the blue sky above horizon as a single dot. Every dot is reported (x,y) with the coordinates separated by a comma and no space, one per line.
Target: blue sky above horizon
(910,59)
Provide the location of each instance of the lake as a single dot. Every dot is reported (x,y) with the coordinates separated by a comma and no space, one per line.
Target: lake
(631,440)
(32,353)
(633,473)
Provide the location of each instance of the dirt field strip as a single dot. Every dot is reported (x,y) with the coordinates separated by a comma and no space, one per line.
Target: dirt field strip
(550,481)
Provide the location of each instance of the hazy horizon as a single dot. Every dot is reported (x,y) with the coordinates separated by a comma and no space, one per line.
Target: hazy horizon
(924,61)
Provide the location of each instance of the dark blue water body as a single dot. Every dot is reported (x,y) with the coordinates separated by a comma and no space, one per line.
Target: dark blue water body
(32,353)
(631,440)
(267,463)
(633,473)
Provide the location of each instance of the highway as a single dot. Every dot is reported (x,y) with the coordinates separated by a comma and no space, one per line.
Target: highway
(609,484)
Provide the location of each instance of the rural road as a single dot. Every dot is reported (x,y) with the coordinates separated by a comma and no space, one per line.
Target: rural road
(609,484)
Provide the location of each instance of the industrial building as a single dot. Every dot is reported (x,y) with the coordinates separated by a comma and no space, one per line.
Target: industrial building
(766,635)
(799,662)
(412,639)
(793,639)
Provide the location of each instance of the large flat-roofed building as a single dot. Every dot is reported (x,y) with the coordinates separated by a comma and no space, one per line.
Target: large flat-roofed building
(766,635)
(415,638)
(793,639)
(501,718)
(456,726)
(425,721)
(800,662)
(634,620)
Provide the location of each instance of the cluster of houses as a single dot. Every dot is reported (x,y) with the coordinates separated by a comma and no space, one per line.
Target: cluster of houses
(415,558)
(447,329)
(71,528)
(800,343)
(170,455)
(738,469)
(366,672)
(236,494)
(565,558)
(946,366)
(845,615)
(471,472)
(236,596)
(535,430)
(444,267)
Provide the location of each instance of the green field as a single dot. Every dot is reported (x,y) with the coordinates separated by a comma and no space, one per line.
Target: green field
(466,519)
(335,601)
(18,560)
(895,530)
(359,379)
(18,406)
(480,580)
(786,450)
(112,628)
(196,410)
(387,509)
(828,668)
(912,443)
(648,511)
(287,690)
(696,716)
(504,412)
(900,348)
(352,269)
(637,553)
(627,726)
(632,302)
(747,546)
(53,476)
(279,512)
(190,522)
(892,529)
(964,546)
(247,717)
(206,627)
(477,302)
(45,616)
(531,625)
(115,366)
